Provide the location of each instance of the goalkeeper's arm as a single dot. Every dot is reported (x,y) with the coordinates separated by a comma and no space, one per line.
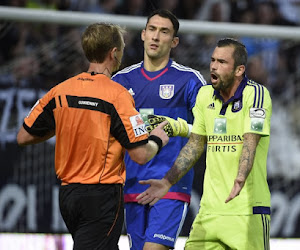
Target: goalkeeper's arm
(174,127)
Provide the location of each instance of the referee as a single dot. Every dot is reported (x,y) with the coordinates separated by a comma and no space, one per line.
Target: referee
(94,120)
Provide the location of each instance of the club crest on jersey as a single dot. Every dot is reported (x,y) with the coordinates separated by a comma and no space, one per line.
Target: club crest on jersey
(138,125)
(237,106)
(166,91)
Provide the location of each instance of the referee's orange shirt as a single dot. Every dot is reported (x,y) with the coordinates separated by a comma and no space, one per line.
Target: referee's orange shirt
(94,119)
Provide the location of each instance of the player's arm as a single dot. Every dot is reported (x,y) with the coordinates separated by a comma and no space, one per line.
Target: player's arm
(174,127)
(245,164)
(24,138)
(144,153)
(186,159)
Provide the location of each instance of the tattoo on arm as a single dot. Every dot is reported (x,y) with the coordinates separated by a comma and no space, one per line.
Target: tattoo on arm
(187,158)
(248,154)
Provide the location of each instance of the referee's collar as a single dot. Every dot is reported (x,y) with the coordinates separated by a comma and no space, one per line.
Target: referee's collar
(238,93)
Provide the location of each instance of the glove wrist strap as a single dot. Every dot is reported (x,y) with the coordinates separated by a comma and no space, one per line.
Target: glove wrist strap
(157,140)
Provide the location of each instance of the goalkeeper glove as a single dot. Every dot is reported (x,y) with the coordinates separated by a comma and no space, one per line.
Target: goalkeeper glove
(177,127)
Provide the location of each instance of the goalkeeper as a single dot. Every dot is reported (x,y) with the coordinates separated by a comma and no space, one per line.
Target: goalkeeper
(159,85)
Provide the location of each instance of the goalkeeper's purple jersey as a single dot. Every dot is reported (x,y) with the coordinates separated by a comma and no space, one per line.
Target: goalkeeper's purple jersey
(171,92)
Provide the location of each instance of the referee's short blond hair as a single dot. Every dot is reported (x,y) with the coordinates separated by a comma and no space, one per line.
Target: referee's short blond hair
(99,38)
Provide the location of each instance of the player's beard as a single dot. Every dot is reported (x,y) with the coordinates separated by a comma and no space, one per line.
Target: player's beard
(225,82)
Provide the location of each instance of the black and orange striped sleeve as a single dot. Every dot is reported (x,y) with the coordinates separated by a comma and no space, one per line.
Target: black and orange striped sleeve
(40,119)
(127,125)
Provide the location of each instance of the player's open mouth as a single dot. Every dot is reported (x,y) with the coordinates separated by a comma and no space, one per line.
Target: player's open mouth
(213,77)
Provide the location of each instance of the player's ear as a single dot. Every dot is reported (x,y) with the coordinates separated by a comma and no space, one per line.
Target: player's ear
(143,35)
(113,52)
(175,42)
(239,71)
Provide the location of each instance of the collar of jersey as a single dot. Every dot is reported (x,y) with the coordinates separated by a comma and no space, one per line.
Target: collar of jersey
(155,74)
(238,93)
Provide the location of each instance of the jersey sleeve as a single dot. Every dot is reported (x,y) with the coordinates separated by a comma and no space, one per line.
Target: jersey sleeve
(258,111)
(199,122)
(127,125)
(40,119)
(192,89)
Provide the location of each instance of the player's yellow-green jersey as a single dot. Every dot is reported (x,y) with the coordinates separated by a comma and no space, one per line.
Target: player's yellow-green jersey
(224,124)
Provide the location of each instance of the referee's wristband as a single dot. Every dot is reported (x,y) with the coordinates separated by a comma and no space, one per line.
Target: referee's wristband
(157,140)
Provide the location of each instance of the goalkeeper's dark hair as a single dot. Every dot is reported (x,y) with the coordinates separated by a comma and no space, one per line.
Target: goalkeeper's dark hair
(99,38)
(166,14)
(240,54)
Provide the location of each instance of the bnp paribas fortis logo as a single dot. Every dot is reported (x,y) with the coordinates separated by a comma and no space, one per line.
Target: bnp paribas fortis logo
(144,113)
(257,124)
(220,126)
(257,116)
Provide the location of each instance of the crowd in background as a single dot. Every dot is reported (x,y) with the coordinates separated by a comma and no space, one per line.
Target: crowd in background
(42,55)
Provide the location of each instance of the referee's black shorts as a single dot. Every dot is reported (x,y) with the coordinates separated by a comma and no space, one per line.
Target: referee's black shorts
(93,213)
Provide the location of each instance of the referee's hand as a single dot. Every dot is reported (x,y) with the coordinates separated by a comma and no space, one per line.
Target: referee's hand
(159,131)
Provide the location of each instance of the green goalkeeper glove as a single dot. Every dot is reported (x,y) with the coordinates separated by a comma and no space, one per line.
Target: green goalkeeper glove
(177,127)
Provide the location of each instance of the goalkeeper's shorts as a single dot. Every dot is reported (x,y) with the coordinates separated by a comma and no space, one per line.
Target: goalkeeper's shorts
(159,224)
(243,232)
(93,213)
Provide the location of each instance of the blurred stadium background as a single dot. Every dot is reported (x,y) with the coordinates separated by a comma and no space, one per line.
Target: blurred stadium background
(40,47)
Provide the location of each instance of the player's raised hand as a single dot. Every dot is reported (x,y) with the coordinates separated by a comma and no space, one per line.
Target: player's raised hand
(174,127)
(157,189)
(236,189)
